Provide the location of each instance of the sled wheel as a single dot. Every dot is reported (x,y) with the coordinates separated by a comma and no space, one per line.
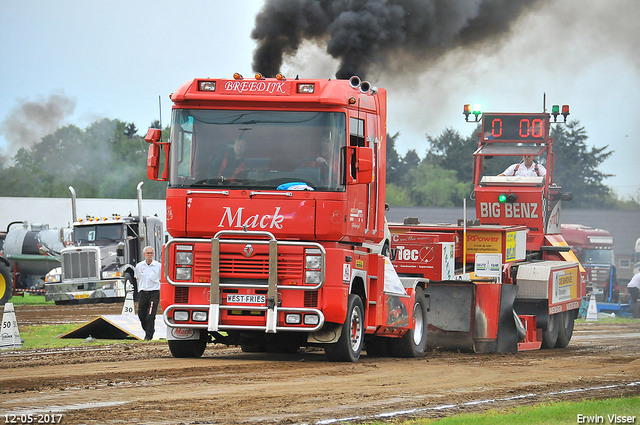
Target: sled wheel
(550,333)
(565,328)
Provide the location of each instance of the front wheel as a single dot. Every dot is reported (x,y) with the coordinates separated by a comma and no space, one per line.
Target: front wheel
(565,328)
(189,347)
(349,345)
(413,343)
(550,333)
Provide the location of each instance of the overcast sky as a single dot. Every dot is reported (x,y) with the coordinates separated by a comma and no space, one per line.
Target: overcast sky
(74,62)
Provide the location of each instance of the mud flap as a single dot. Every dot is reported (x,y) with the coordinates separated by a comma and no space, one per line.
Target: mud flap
(451,315)
(490,314)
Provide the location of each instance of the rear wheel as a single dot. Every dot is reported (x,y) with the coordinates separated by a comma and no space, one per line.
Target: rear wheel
(550,333)
(565,328)
(349,345)
(412,344)
(6,288)
(188,347)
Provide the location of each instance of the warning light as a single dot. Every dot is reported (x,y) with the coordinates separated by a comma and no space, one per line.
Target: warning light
(507,197)
(565,112)
(468,110)
(555,111)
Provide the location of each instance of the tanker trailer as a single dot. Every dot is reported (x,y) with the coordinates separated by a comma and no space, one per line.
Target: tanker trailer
(32,250)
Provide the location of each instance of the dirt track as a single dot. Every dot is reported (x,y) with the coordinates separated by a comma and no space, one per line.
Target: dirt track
(142,383)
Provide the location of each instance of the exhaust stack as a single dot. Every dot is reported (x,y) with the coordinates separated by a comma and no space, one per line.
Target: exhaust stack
(74,214)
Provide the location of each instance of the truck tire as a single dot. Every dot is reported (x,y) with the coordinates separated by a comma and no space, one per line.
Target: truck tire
(349,345)
(190,348)
(6,288)
(413,343)
(550,333)
(565,328)
(128,279)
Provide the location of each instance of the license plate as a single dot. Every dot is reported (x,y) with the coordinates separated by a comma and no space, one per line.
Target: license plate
(75,297)
(246,299)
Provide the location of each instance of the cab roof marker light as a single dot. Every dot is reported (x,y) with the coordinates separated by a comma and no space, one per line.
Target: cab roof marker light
(207,86)
(259,76)
(306,88)
(280,77)
(237,76)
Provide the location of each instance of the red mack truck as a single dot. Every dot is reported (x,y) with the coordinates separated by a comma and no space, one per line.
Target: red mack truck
(507,281)
(275,194)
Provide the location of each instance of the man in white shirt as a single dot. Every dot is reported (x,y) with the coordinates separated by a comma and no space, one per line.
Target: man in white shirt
(148,278)
(526,168)
(633,288)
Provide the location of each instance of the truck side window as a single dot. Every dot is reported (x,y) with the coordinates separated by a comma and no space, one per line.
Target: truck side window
(356,132)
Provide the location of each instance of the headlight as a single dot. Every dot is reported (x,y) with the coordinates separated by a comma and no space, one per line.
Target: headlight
(181,316)
(183,273)
(184,258)
(292,319)
(53,278)
(199,316)
(111,275)
(313,262)
(312,276)
(311,319)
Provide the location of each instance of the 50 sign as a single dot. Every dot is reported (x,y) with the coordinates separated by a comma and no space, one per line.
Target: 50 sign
(522,127)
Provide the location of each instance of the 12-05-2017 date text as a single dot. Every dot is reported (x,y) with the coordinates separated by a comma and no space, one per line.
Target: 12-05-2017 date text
(30,418)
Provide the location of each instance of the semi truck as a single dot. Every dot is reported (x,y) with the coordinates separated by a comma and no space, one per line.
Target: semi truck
(594,248)
(99,264)
(275,199)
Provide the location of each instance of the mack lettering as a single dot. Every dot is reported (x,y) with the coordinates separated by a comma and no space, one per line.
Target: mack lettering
(253,222)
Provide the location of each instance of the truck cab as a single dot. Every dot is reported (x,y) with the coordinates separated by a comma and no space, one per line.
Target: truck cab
(595,250)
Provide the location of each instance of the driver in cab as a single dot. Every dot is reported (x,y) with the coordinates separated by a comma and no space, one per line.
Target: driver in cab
(527,168)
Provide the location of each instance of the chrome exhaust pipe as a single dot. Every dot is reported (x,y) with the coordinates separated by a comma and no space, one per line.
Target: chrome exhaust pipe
(354,81)
(365,86)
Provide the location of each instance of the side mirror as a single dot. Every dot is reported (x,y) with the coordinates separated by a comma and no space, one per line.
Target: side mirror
(153,135)
(153,158)
(361,165)
(153,162)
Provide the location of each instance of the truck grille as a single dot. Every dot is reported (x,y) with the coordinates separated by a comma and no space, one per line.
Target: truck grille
(80,265)
(257,267)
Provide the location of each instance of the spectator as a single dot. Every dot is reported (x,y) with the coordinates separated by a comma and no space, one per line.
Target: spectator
(148,278)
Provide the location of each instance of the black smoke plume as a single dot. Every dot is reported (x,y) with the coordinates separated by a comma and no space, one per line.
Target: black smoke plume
(29,121)
(379,35)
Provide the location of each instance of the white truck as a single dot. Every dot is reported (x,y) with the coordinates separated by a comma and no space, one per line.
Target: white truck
(99,264)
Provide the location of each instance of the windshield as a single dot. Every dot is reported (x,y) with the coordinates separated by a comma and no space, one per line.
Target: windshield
(598,256)
(93,233)
(257,149)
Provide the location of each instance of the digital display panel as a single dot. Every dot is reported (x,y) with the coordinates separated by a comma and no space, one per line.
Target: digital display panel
(525,127)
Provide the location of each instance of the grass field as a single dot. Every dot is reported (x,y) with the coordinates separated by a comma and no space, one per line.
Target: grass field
(606,411)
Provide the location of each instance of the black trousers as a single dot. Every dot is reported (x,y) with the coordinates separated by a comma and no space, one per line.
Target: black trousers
(147,307)
(635,293)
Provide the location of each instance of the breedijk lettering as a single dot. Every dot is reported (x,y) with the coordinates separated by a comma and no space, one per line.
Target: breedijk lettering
(234,219)
(255,87)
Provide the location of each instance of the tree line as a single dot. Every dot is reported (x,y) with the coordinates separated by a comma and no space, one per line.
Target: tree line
(108,159)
